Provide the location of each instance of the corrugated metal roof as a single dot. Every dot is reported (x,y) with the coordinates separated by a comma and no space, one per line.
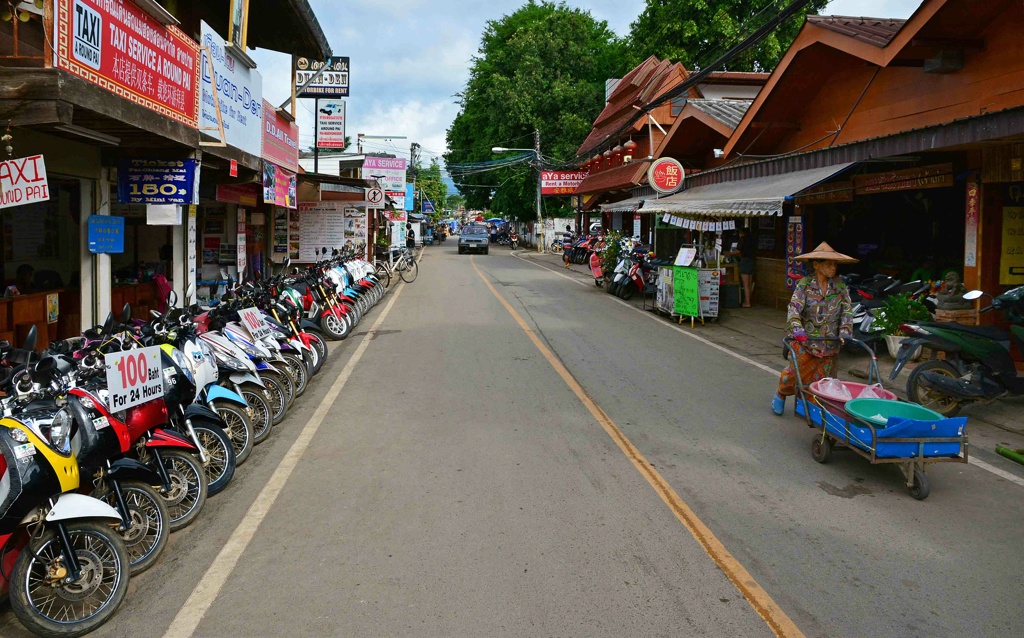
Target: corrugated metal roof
(728,112)
(742,198)
(876,31)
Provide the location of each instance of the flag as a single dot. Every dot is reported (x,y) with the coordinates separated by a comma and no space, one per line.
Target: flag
(428,206)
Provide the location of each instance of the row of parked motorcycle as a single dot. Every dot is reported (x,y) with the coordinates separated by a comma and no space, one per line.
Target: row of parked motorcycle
(91,490)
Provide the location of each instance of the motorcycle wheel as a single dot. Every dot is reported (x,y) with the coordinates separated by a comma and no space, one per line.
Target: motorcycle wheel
(318,344)
(333,327)
(71,609)
(260,412)
(220,456)
(187,493)
(238,427)
(926,397)
(285,379)
(627,292)
(148,518)
(276,395)
(298,370)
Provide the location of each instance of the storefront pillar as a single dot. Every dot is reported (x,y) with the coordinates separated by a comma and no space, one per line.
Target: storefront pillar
(179,246)
(102,275)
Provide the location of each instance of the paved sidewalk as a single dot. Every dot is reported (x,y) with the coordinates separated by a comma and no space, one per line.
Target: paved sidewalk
(757,333)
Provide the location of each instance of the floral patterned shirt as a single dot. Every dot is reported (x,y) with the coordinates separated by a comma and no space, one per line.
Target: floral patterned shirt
(822,314)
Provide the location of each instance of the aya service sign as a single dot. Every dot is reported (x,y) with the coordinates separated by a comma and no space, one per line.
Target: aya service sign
(561,182)
(133,377)
(23,181)
(119,47)
(240,90)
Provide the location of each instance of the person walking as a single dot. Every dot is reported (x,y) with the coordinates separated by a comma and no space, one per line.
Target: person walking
(746,255)
(410,238)
(820,316)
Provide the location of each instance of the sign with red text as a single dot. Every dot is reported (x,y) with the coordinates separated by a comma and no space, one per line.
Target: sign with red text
(117,46)
(561,182)
(23,181)
(666,175)
(133,377)
(330,124)
(253,321)
(280,139)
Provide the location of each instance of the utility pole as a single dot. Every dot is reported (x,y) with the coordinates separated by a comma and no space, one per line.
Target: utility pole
(540,223)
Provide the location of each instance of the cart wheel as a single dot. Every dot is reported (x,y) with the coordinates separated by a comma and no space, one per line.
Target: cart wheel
(921,487)
(821,450)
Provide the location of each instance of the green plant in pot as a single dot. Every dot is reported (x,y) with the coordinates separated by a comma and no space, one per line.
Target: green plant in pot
(898,311)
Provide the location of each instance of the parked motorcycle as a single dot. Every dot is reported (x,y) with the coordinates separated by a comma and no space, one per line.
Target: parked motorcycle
(978,365)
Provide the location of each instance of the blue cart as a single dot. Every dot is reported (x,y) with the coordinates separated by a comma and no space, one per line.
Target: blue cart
(880,430)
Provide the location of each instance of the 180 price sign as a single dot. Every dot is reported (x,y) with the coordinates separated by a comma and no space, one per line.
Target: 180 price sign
(133,377)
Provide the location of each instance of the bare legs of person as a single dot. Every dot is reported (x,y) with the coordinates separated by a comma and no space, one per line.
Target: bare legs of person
(748,289)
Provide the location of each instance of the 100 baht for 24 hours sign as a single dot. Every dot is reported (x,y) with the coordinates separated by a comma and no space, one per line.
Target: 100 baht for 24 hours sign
(117,46)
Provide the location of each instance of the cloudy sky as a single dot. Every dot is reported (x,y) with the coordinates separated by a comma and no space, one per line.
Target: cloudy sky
(410,57)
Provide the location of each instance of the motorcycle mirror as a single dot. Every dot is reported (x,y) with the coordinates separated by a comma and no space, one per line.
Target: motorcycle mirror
(30,339)
(190,291)
(972,295)
(126,313)
(108,325)
(287,261)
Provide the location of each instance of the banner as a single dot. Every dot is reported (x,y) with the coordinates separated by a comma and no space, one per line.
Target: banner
(330,124)
(119,47)
(240,91)
(156,181)
(280,139)
(23,181)
(333,82)
(561,182)
(279,186)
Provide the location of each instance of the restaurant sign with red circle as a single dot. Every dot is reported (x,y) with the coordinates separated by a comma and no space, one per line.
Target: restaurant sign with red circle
(665,175)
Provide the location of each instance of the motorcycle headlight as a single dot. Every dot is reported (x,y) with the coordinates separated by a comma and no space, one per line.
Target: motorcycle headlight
(60,431)
(205,349)
(230,363)
(179,360)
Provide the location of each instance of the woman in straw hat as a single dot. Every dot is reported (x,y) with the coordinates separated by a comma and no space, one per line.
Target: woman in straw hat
(819,312)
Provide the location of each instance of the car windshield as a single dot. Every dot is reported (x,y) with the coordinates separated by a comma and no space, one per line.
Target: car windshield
(474,230)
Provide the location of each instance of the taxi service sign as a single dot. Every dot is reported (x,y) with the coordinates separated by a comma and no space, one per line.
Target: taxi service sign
(666,175)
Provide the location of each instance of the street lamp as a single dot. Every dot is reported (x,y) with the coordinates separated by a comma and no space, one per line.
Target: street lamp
(536,154)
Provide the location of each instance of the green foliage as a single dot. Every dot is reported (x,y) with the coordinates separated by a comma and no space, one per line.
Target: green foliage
(542,67)
(431,185)
(454,202)
(697,32)
(898,310)
(611,252)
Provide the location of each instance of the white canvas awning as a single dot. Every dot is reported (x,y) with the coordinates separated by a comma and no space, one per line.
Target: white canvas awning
(754,197)
(625,206)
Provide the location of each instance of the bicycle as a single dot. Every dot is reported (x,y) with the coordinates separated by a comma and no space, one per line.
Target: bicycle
(405,267)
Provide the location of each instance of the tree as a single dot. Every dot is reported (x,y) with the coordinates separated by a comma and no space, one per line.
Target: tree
(542,67)
(431,185)
(697,32)
(455,201)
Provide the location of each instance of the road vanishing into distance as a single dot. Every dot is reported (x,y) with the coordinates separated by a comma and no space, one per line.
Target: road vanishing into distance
(505,450)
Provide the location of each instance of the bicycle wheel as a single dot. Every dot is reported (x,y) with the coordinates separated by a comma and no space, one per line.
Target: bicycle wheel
(382,272)
(410,271)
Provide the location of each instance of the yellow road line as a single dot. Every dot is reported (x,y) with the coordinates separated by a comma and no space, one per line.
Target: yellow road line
(758,598)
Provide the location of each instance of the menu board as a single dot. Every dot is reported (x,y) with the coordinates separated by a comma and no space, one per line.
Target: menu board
(696,291)
(322,225)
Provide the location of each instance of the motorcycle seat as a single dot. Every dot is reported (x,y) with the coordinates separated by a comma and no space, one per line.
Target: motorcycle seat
(988,332)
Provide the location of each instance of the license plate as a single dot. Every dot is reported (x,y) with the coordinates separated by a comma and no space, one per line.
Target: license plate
(100,423)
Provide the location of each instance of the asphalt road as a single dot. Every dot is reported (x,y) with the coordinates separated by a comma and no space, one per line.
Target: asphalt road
(458,486)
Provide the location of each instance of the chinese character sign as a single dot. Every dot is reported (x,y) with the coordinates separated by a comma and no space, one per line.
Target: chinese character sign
(106,234)
(560,182)
(665,175)
(156,181)
(119,47)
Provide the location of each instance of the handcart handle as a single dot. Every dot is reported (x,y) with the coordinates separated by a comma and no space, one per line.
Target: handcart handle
(872,367)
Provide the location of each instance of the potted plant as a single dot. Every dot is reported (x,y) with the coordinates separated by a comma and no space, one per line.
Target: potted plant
(898,311)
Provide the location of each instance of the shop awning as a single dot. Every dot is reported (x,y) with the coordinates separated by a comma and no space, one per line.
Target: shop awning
(625,206)
(755,197)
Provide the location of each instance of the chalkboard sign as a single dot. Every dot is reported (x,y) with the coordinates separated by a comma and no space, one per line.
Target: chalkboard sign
(687,292)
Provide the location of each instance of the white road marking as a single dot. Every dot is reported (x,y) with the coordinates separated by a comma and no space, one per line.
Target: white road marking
(208,588)
(1013,478)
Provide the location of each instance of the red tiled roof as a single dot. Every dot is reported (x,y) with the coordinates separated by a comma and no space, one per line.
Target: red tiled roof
(613,179)
(876,31)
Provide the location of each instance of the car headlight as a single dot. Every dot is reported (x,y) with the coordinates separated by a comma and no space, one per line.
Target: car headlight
(60,431)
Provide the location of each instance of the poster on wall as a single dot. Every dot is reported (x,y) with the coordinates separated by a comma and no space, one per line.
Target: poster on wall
(794,247)
(280,245)
(23,181)
(279,186)
(355,226)
(52,307)
(1011,262)
(211,250)
(322,225)
(240,95)
(120,48)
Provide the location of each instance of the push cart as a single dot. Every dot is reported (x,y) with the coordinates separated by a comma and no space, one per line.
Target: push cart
(882,430)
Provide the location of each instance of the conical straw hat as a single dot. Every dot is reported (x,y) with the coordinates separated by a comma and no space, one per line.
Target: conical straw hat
(824,251)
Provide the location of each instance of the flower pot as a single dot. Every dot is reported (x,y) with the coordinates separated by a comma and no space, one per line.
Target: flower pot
(893,343)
